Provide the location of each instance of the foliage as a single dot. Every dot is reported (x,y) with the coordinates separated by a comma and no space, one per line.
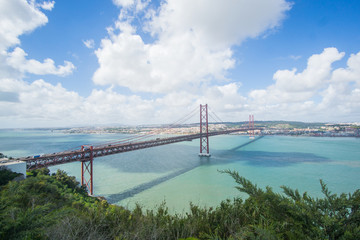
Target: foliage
(28,207)
(296,216)
(7,175)
(56,207)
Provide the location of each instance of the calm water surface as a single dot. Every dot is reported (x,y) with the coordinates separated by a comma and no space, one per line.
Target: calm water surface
(175,174)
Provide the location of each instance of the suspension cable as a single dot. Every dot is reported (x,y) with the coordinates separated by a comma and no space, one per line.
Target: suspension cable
(154,132)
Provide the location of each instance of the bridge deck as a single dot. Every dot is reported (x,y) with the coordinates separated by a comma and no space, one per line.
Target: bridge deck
(84,155)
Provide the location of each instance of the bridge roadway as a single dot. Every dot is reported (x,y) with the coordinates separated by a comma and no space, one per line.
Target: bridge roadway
(46,160)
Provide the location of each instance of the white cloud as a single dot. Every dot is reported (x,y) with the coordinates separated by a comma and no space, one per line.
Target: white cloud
(186,62)
(18,17)
(41,104)
(124,3)
(318,93)
(17,60)
(47,5)
(297,87)
(137,5)
(44,104)
(7,71)
(89,43)
(36,103)
(192,46)
(343,93)
(313,77)
(126,61)
(218,24)
(349,74)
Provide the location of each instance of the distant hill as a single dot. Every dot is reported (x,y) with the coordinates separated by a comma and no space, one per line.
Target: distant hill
(278,124)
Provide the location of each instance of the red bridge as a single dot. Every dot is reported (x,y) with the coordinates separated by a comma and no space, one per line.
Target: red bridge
(87,153)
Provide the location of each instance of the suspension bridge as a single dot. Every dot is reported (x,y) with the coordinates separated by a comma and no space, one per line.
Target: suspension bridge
(87,153)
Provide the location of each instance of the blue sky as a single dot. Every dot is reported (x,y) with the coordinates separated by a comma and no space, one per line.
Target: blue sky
(72,63)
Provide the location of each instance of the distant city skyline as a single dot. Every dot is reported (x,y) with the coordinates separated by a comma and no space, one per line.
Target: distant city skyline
(72,63)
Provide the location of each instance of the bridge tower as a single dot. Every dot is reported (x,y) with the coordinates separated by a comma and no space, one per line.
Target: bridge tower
(204,131)
(87,168)
(251,127)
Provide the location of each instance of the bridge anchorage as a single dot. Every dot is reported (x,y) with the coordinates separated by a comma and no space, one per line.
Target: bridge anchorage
(87,153)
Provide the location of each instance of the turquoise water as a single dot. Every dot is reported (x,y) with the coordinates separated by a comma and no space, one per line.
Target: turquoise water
(175,174)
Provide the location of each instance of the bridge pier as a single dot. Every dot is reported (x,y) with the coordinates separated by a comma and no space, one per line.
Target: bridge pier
(87,168)
(204,131)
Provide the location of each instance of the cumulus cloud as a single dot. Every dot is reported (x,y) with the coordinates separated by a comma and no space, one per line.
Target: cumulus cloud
(17,60)
(218,24)
(43,104)
(349,74)
(313,77)
(21,102)
(291,86)
(126,61)
(184,64)
(18,17)
(192,46)
(317,93)
(39,103)
(343,92)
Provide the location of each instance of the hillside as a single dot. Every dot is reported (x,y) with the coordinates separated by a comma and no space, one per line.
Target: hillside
(55,207)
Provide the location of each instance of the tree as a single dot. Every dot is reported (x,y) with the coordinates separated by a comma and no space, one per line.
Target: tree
(296,216)
(7,175)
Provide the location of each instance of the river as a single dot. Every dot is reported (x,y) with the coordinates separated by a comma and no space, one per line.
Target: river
(175,174)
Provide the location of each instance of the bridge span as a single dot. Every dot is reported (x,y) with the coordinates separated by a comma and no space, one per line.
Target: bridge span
(86,154)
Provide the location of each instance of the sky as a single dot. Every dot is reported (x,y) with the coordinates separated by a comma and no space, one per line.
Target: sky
(88,63)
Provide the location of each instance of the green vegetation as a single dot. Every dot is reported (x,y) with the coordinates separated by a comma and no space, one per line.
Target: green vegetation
(7,175)
(55,207)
